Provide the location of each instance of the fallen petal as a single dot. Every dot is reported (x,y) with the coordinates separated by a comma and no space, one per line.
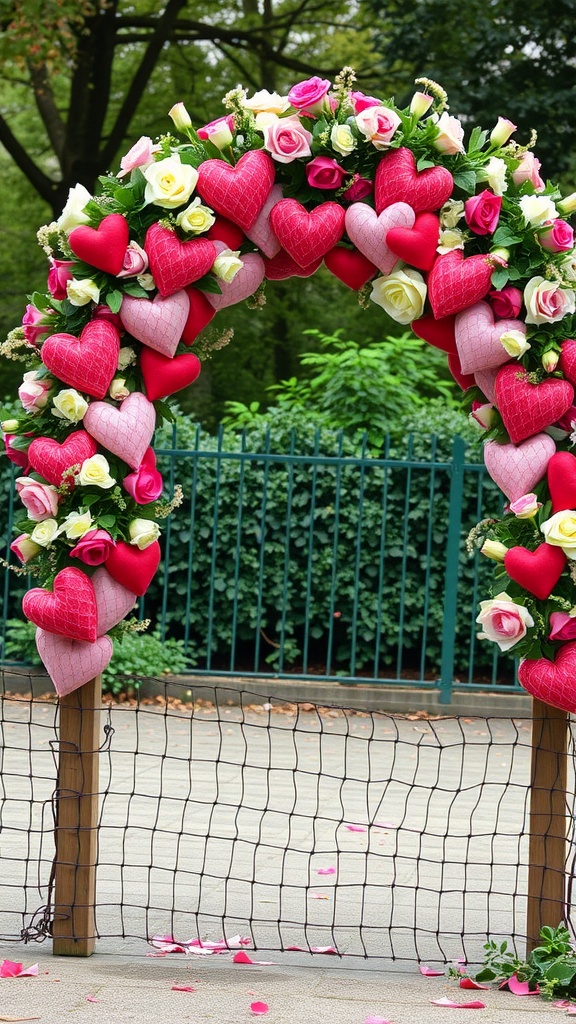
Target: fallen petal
(376,1020)
(519,988)
(92,999)
(429,972)
(475,1005)
(326,871)
(258,1008)
(242,958)
(318,896)
(182,988)
(30,972)
(470,983)
(10,969)
(356,828)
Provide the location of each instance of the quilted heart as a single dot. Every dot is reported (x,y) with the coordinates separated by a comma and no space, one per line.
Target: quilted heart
(416,245)
(552,682)
(158,324)
(133,568)
(87,363)
(103,247)
(69,609)
(283,266)
(237,192)
(478,338)
(486,380)
(113,601)
(126,430)
(71,663)
(51,460)
(349,266)
(527,408)
(537,571)
(242,285)
(456,283)
(516,469)
(398,181)
(464,380)
(368,231)
(175,264)
(162,376)
(261,232)
(439,333)
(307,236)
(567,361)
(223,230)
(199,316)
(562,481)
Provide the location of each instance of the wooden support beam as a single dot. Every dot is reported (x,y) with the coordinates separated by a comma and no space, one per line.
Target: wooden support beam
(73,930)
(547,846)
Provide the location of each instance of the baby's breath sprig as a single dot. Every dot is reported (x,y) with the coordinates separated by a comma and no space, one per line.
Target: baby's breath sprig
(234,100)
(343,84)
(440,95)
(48,237)
(204,347)
(117,497)
(12,347)
(258,299)
(20,570)
(121,629)
(364,295)
(165,508)
(477,535)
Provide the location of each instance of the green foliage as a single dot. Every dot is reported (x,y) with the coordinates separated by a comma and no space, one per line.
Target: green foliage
(20,644)
(143,655)
(551,966)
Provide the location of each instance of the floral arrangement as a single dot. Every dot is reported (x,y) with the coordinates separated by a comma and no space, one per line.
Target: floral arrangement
(465,242)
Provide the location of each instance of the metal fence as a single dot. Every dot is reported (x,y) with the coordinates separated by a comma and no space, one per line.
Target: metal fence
(325,560)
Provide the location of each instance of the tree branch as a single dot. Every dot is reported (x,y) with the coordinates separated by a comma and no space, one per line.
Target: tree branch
(49,113)
(41,182)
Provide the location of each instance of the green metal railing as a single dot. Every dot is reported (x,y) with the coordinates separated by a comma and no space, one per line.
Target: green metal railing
(326,561)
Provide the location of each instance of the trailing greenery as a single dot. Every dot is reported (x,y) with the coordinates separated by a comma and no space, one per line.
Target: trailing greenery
(551,966)
(145,655)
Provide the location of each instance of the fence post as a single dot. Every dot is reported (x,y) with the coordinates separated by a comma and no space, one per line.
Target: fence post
(451,574)
(548,813)
(73,928)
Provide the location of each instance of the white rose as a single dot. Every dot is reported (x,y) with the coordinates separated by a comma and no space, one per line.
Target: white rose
(342,139)
(180,117)
(143,532)
(495,174)
(264,102)
(451,213)
(264,119)
(69,405)
(76,524)
(450,239)
(118,390)
(96,472)
(44,533)
(537,209)
(81,292)
(126,356)
(147,282)
(568,266)
(72,215)
(170,183)
(515,343)
(401,294)
(560,531)
(450,135)
(227,264)
(196,218)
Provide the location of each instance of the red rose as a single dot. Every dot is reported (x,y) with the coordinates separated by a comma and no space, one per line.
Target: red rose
(507,302)
(145,484)
(323,172)
(94,547)
(483,212)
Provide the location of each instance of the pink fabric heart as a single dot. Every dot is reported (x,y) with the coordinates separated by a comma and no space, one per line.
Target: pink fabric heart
(368,231)
(242,285)
(125,431)
(307,236)
(516,469)
(69,609)
(71,663)
(113,601)
(88,362)
(238,192)
(478,338)
(486,380)
(552,682)
(261,232)
(158,324)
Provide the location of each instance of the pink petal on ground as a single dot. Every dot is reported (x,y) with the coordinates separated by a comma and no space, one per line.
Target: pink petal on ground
(10,969)
(571,1010)
(92,999)
(30,972)
(318,896)
(324,949)
(200,951)
(239,940)
(356,828)
(166,944)
(429,972)
(470,983)
(476,1005)
(326,871)
(258,1008)
(182,988)
(376,1020)
(519,988)
(242,958)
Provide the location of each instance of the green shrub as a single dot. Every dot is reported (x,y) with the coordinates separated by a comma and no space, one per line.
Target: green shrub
(144,655)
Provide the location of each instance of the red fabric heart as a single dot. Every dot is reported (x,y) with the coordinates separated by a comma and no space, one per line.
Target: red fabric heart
(133,568)
(69,610)
(51,459)
(349,266)
(307,236)
(562,481)
(552,682)
(199,316)
(224,230)
(456,283)
(103,247)
(439,333)
(567,361)
(87,363)
(163,376)
(282,266)
(537,571)
(464,380)
(239,192)
(175,264)
(527,408)
(416,245)
(398,181)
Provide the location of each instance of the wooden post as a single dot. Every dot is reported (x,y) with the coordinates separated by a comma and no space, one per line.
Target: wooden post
(547,847)
(73,928)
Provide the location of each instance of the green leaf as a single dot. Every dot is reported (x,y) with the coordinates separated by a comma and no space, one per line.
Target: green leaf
(136,290)
(107,522)
(465,180)
(477,139)
(114,300)
(499,277)
(423,163)
(209,283)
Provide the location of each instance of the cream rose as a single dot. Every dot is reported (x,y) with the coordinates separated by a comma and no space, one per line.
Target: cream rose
(265,119)
(169,182)
(147,282)
(81,292)
(75,525)
(227,264)
(450,135)
(143,533)
(264,102)
(180,117)
(118,390)
(537,209)
(44,533)
(495,174)
(503,621)
(515,343)
(69,405)
(73,213)
(494,550)
(196,218)
(451,213)
(560,531)
(450,238)
(546,302)
(526,506)
(567,205)
(342,139)
(126,356)
(401,294)
(95,472)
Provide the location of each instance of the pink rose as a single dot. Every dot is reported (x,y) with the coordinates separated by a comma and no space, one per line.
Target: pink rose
(33,392)
(287,140)
(141,155)
(547,302)
(506,302)
(323,172)
(361,102)
(449,139)
(503,621)
(33,324)
(526,506)
(94,547)
(24,548)
(219,131)
(378,125)
(556,236)
(528,170)
(58,277)
(563,626)
(16,455)
(104,312)
(135,261)
(40,500)
(359,189)
(145,484)
(483,414)
(309,96)
(482,212)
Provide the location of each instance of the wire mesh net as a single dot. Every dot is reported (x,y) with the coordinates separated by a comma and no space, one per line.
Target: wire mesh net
(225,813)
